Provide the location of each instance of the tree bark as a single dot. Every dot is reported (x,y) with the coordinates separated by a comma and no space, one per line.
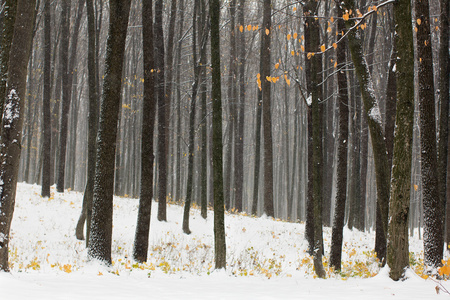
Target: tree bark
(100,237)
(12,120)
(148,122)
(432,205)
(341,183)
(46,128)
(217,146)
(266,110)
(399,202)
(162,115)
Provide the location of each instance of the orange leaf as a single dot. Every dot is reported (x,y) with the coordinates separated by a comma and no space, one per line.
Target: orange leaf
(322,48)
(335,64)
(249,27)
(345,16)
(277,65)
(419,21)
(241,28)
(295,35)
(293,53)
(332,19)
(334,45)
(267,31)
(329,29)
(302,48)
(288,37)
(294,9)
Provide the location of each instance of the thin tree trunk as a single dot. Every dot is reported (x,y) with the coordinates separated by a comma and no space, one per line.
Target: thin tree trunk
(341,183)
(148,116)
(217,146)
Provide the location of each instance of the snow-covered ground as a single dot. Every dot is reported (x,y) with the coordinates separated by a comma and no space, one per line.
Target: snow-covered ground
(266,259)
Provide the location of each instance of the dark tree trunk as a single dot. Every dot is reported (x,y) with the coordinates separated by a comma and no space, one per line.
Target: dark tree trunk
(266,34)
(64,60)
(162,115)
(12,120)
(371,107)
(190,167)
(239,138)
(341,183)
(398,246)
(86,212)
(46,121)
(217,146)
(148,122)
(9,17)
(444,70)
(432,206)
(100,237)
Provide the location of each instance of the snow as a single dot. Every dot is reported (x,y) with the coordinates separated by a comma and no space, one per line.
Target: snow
(266,258)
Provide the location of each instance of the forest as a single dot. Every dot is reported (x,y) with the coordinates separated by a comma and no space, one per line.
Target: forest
(331,114)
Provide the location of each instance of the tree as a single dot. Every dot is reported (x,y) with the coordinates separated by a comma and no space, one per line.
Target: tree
(9,17)
(12,120)
(46,121)
(145,202)
(313,78)
(162,115)
(399,202)
(341,183)
(266,111)
(372,109)
(217,145)
(86,211)
(432,206)
(100,237)
(64,60)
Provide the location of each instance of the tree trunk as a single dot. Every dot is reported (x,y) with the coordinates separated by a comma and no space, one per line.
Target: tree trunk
(12,120)
(46,121)
(162,115)
(432,209)
(266,110)
(444,70)
(371,107)
(9,17)
(148,122)
(341,183)
(398,246)
(217,146)
(100,237)
(86,212)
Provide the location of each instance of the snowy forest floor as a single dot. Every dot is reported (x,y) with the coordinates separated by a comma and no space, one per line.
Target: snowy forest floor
(266,258)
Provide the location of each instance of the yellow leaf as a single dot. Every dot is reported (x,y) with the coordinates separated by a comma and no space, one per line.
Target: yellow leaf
(267,31)
(345,16)
(268,78)
(258,76)
(302,48)
(277,65)
(274,79)
(293,53)
(334,45)
(287,80)
(309,55)
(249,27)
(322,48)
(288,37)
(302,37)
(295,35)
(375,8)
(255,27)
(419,21)
(241,28)
(444,270)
